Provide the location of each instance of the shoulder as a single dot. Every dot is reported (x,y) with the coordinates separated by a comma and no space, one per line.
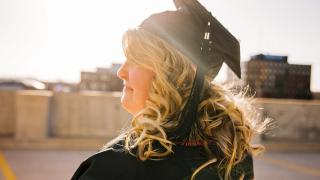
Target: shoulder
(242,170)
(109,164)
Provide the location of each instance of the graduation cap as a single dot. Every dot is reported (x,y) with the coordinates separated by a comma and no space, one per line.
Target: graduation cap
(193,31)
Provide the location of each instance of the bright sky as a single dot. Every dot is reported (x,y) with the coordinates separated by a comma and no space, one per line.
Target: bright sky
(55,40)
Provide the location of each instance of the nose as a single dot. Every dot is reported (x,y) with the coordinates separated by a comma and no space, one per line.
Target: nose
(122,72)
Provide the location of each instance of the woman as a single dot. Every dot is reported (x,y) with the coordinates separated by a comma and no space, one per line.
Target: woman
(183,125)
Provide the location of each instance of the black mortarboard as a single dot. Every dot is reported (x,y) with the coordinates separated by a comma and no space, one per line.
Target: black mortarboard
(193,31)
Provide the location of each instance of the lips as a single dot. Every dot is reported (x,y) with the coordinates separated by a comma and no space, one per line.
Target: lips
(126,87)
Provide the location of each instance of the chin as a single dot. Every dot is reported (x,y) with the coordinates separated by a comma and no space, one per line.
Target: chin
(126,106)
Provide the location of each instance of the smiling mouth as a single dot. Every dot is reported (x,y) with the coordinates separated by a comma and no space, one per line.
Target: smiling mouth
(125,88)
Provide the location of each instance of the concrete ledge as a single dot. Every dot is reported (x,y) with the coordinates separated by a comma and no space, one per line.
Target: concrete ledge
(97,143)
(55,144)
(288,101)
(279,146)
(294,120)
(32,110)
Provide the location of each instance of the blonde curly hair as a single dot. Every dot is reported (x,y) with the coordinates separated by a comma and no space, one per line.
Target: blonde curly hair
(227,118)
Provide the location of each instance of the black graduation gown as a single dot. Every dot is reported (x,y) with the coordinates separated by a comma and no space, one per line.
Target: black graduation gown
(116,164)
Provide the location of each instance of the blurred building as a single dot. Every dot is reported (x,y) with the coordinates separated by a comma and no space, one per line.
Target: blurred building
(21,84)
(273,77)
(62,86)
(103,79)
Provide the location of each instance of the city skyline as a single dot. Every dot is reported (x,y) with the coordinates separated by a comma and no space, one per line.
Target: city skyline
(55,40)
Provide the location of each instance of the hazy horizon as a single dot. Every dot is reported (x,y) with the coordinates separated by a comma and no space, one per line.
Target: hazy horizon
(55,40)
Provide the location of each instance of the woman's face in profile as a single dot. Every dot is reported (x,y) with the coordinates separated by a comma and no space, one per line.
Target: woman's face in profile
(137,82)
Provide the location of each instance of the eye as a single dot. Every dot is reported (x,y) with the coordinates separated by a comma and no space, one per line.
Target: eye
(127,61)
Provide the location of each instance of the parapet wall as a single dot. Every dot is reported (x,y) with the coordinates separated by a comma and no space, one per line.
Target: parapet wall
(87,114)
(7,112)
(293,120)
(37,115)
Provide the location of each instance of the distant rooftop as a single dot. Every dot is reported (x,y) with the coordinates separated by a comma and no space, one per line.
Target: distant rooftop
(264,57)
(23,83)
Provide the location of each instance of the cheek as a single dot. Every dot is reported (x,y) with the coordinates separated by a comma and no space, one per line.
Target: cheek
(140,80)
(141,84)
